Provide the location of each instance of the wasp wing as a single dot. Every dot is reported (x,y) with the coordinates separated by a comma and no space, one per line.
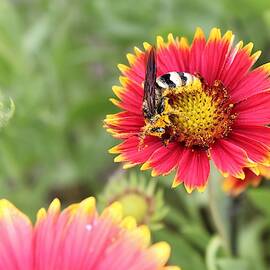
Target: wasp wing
(149,98)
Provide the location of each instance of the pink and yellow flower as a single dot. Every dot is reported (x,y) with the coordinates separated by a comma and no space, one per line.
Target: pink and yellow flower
(77,238)
(223,118)
(235,186)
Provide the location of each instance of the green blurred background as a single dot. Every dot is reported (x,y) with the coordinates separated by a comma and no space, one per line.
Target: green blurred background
(58,62)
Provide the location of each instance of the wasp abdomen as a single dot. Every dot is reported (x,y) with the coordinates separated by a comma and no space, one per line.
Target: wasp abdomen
(175,79)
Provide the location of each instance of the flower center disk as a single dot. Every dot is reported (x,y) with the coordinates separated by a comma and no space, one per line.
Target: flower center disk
(195,115)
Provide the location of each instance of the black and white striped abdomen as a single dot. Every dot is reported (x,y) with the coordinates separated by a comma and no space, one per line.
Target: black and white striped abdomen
(175,79)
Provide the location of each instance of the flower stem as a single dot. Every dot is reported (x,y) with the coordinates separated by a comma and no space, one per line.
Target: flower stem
(218,205)
(234,210)
(211,252)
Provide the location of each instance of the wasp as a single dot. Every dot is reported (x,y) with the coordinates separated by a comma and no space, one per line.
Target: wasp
(156,104)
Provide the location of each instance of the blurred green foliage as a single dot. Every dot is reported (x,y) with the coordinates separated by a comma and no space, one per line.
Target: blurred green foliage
(58,62)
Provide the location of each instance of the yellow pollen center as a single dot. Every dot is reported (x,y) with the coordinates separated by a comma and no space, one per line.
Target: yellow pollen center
(195,115)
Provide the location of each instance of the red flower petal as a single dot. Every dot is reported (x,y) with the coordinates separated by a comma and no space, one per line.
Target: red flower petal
(256,151)
(124,124)
(253,111)
(237,65)
(196,52)
(229,158)
(131,151)
(215,55)
(255,82)
(193,170)
(258,133)
(172,56)
(164,159)
(77,238)
(130,95)
(15,238)
(180,53)
(235,186)
(136,71)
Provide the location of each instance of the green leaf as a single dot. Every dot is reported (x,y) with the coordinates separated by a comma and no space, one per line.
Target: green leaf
(6,114)
(261,199)
(196,235)
(233,264)
(250,236)
(183,254)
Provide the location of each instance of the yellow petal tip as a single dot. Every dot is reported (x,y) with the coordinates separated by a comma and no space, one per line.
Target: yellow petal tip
(123,68)
(188,189)
(128,165)
(114,150)
(89,205)
(215,34)
(176,183)
(123,80)
(115,211)
(183,43)
(199,34)
(256,56)
(145,166)
(202,188)
(147,46)
(160,42)
(118,90)
(161,252)
(154,173)
(172,268)
(171,38)
(144,232)
(114,101)
(137,51)
(131,58)
(41,214)
(55,206)
(119,158)
(129,223)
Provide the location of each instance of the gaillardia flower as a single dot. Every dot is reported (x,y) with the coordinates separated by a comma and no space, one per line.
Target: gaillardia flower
(77,239)
(191,104)
(234,186)
(139,198)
